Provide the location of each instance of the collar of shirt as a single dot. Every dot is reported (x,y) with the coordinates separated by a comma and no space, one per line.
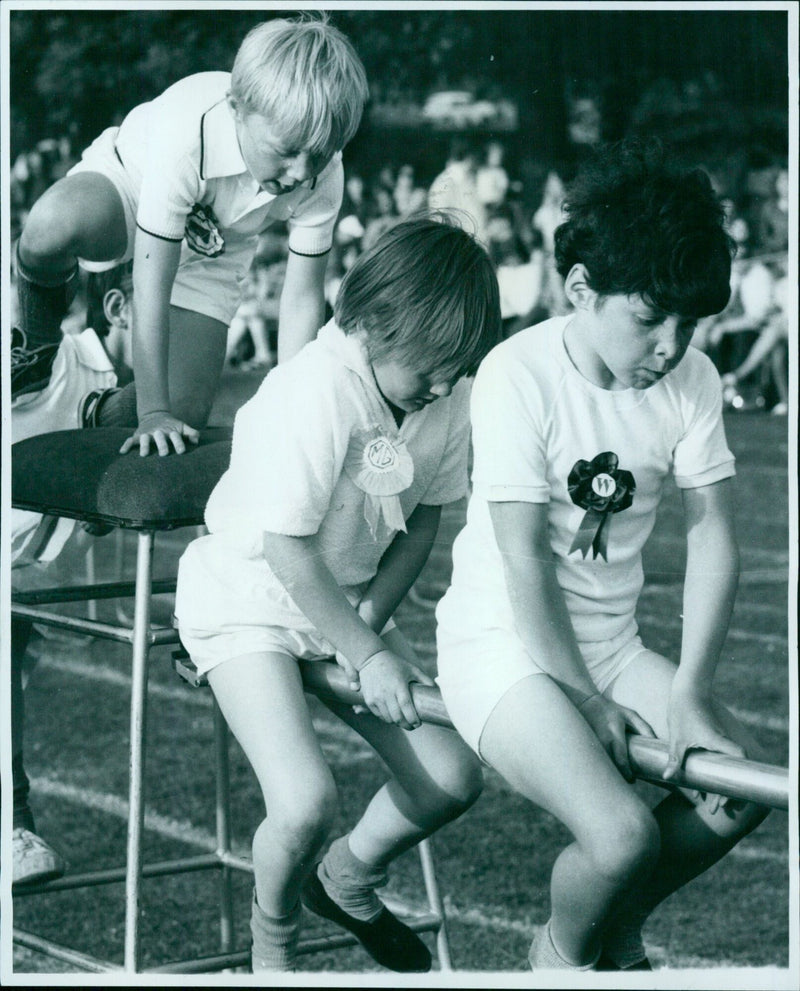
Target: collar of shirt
(219,145)
(352,353)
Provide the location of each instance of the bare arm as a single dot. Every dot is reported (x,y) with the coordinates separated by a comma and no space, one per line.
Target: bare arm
(400,566)
(298,565)
(544,625)
(154,268)
(712,573)
(302,306)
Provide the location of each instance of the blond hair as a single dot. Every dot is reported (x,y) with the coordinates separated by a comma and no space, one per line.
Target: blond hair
(304,76)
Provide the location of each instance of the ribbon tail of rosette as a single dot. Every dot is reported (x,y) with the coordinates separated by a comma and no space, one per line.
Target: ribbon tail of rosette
(600,542)
(372,514)
(389,507)
(591,524)
(393,513)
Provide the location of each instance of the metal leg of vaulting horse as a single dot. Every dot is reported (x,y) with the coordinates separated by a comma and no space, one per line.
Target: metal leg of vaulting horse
(436,904)
(140,649)
(223,797)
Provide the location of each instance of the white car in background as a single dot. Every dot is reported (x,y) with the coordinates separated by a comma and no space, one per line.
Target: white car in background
(459,108)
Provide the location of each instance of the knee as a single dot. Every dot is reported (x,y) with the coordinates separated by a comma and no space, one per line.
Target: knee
(50,228)
(302,822)
(440,798)
(631,844)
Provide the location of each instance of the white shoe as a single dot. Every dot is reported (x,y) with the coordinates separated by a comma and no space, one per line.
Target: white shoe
(34,860)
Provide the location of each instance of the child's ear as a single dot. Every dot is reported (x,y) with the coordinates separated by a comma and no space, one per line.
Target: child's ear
(114,307)
(234,104)
(577,288)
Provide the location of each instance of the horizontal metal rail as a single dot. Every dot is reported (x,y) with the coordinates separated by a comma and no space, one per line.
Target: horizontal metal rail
(156,636)
(86,593)
(703,771)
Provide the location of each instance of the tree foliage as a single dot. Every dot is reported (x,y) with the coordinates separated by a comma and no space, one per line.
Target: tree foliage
(77,71)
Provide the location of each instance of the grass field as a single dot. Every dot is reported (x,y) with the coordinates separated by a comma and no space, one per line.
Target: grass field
(494,863)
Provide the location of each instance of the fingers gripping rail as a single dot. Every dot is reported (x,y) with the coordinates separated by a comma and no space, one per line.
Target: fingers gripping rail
(720,774)
(766,784)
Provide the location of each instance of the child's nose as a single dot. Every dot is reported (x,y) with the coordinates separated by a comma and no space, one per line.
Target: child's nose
(299,169)
(669,339)
(442,389)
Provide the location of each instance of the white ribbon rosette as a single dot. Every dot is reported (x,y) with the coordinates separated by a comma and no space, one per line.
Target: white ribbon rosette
(382,468)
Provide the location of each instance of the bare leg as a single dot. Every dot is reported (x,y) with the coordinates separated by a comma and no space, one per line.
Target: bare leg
(261,696)
(545,749)
(80,216)
(692,837)
(196,358)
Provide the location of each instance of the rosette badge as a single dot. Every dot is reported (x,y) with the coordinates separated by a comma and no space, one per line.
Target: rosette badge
(601,488)
(382,468)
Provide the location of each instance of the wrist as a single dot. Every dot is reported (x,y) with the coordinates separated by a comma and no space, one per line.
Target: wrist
(688,690)
(370,657)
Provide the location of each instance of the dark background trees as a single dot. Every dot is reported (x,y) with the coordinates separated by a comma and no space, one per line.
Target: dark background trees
(713,82)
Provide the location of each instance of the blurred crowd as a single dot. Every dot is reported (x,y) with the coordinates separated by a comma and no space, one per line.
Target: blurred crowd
(516,223)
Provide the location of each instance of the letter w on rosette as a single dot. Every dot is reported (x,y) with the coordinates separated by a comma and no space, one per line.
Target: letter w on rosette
(601,488)
(382,468)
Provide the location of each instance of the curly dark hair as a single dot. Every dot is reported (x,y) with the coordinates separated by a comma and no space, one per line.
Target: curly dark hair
(641,226)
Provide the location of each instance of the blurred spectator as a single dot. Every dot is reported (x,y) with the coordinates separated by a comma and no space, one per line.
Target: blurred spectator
(252,334)
(408,196)
(545,220)
(456,189)
(755,312)
(381,215)
(492,179)
(768,354)
(519,271)
(354,201)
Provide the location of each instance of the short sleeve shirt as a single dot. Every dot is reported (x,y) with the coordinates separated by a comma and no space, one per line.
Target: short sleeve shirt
(538,426)
(294,445)
(182,153)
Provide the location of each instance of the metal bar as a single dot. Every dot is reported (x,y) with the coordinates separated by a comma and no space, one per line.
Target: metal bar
(223,796)
(105,631)
(435,903)
(139,652)
(65,953)
(99,590)
(112,875)
(314,944)
(713,772)
(720,774)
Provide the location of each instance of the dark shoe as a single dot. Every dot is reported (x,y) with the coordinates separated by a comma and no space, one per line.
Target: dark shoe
(387,940)
(30,367)
(606,963)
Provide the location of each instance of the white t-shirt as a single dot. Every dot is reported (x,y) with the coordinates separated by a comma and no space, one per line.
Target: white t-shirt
(181,152)
(299,446)
(534,417)
(81,365)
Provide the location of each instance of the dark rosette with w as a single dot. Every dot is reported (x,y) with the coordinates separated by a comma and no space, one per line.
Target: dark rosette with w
(601,488)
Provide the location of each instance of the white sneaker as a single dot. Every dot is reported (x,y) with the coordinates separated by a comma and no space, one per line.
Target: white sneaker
(34,860)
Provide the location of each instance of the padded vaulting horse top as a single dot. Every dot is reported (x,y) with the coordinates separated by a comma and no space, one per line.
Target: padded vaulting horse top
(80,474)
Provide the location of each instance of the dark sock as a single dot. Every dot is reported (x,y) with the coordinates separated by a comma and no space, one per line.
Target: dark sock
(23,817)
(350,882)
(274,939)
(118,409)
(43,303)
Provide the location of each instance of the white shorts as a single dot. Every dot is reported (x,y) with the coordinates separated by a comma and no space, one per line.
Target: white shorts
(211,286)
(475,675)
(208,648)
